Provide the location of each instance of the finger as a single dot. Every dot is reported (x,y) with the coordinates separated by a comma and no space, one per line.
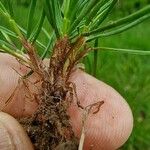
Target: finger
(109,128)
(8,77)
(12,135)
(112,125)
(13,94)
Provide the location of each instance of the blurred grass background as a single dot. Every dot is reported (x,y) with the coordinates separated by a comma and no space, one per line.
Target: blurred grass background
(128,74)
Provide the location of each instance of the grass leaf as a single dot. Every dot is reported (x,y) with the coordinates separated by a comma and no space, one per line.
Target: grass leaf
(36,33)
(51,13)
(82,14)
(30,17)
(9,45)
(105,14)
(121,29)
(14,53)
(95,60)
(9,4)
(49,46)
(2,7)
(7,31)
(130,51)
(94,12)
(121,21)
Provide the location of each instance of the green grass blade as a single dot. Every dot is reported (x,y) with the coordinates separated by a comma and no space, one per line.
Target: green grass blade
(9,45)
(94,12)
(49,46)
(7,31)
(37,41)
(8,39)
(76,7)
(2,51)
(46,32)
(121,29)
(120,50)
(95,61)
(15,29)
(10,8)
(38,28)
(3,7)
(82,14)
(30,17)
(14,53)
(130,18)
(57,15)
(104,16)
(41,45)
(65,10)
(13,34)
(50,13)
(10,21)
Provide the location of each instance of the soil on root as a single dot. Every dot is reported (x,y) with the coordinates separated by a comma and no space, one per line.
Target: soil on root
(49,128)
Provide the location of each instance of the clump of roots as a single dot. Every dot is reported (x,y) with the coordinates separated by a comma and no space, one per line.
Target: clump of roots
(49,127)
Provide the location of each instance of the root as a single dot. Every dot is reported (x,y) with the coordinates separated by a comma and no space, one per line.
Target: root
(49,127)
(86,110)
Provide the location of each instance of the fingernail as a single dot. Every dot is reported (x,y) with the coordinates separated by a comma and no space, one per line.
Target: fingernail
(6,142)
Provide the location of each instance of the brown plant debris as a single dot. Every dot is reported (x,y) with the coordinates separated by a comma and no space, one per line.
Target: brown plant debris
(49,127)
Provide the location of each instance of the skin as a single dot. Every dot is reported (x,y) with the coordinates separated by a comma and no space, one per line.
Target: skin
(106,130)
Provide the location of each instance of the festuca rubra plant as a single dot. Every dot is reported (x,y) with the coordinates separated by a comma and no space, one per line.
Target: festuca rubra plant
(74,25)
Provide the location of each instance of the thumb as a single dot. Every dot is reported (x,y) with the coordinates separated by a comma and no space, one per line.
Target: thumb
(12,135)
(112,125)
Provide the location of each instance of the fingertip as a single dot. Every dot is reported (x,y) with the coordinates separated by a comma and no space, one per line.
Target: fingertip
(110,128)
(12,135)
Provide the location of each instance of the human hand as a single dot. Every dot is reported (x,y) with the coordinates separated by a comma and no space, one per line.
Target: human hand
(106,130)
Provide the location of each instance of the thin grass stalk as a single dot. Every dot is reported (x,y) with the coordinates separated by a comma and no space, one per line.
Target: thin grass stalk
(95,62)
(47,34)
(93,13)
(50,16)
(120,30)
(76,8)
(30,17)
(3,8)
(8,39)
(120,50)
(121,21)
(104,16)
(100,13)
(10,8)
(13,34)
(38,28)
(12,23)
(8,32)
(37,41)
(15,54)
(57,15)
(66,21)
(9,45)
(49,46)
(83,14)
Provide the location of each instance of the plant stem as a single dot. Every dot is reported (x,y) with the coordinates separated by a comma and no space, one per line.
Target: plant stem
(95,58)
